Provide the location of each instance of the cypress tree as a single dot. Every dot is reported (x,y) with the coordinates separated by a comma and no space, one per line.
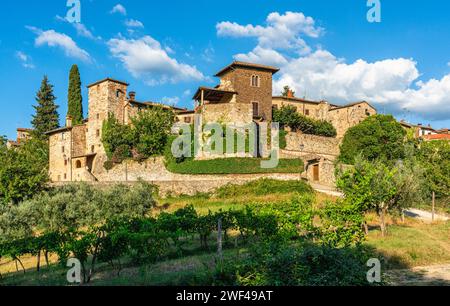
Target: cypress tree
(46,117)
(75,100)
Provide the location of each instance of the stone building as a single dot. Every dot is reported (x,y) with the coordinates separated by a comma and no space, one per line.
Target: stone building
(77,152)
(342,117)
(22,136)
(243,96)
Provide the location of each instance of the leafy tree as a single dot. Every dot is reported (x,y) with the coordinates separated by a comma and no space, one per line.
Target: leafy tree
(288,116)
(377,137)
(3,141)
(116,135)
(152,130)
(75,100)
(23,171)
(46,117)
(434,156)
(286,90)
(378,186)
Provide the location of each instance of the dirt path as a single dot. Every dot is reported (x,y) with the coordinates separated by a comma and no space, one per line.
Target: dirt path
(424,215)
(438,275)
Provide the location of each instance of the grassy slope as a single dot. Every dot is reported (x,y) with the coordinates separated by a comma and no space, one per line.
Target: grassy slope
(233,166)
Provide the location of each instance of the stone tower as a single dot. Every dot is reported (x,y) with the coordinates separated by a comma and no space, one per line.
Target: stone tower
(105,96)
(253,83)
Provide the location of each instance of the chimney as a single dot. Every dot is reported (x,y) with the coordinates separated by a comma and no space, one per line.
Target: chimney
(132,95)
(69,121)
(290,94)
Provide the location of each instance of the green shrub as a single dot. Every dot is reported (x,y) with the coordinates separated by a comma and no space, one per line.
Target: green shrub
(108,165)
(147,136)
(276,263)
(263,187)
(115,135)
(288,116)
(120,154)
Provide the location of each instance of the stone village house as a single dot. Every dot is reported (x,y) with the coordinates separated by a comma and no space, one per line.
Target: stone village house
(244,95)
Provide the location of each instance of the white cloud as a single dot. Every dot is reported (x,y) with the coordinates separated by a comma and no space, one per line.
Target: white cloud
(172,101)
(261,55)
(84,32)
(52,38)
(132,23)
(390,84)
(25,60)
(282,32)
(146,58)
(119,8)
(187,92)
(81,29)
(208,54)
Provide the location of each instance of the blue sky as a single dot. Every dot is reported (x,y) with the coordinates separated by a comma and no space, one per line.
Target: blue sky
(166,49)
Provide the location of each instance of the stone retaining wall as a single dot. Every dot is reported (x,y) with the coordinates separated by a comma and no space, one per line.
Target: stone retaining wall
(155,172)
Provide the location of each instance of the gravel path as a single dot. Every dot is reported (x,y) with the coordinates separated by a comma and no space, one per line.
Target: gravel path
(424,215)
(438,275)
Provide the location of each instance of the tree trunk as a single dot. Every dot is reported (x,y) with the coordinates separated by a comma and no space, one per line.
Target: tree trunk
(21,264)
(383,222)
(94,258)
(366,228)
(38,267)
(46,257)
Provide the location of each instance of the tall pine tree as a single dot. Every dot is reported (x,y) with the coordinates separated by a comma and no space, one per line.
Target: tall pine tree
(74,98)
(46,117)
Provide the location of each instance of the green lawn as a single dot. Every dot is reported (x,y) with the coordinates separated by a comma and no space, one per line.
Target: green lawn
(233,166)
(413,244)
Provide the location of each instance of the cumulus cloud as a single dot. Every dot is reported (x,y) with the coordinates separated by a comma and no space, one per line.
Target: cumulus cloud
(146,58)
(81,29)
(282,32)
(393,84)
(132,23)
(261,55)
(25,60)
(120,9)
(172,101)
(62,41)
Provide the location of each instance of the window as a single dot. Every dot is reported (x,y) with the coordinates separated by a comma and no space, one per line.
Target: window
(62,149)
(307,112)
(98,133)
(62,136)
(92,149)
(255,109)
(117,93)
(78,164)
(98,116)
(65,176)
(255,82)
(187,120)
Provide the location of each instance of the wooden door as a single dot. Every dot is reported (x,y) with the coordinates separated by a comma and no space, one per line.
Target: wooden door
(316,174)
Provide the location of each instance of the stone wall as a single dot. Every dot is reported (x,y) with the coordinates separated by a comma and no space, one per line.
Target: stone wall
(310,144)
(326,173)
(154,171)
(227,112)
(347,117)
(60,146)
(78,140)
